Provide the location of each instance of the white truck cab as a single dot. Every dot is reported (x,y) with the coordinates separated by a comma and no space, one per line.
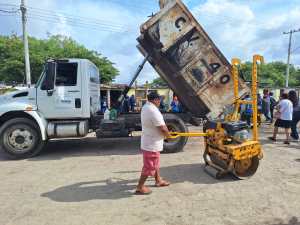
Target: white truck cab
(60,105)
(73,92)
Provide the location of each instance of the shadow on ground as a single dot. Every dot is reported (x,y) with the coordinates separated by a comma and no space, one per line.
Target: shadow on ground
(280,143)
(59,149)
(293,221)
(117,188)
(93,190)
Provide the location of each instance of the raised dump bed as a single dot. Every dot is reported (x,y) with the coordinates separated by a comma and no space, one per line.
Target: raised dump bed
(186,58)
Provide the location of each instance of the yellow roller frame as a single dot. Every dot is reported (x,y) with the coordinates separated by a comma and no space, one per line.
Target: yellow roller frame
(191,134)
(256,58)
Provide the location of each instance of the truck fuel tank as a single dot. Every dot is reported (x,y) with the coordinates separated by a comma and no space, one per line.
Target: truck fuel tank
(187,59)
(63,129)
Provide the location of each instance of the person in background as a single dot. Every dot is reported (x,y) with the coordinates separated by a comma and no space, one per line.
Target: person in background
(259,103)
(162,105)
(266,105)
(125,108)
(103,105)
(273,103)
(175,105)
(154,130)
(113,113)
(259,108)
(284,117)
(296,114)
(247,110)
(132,103)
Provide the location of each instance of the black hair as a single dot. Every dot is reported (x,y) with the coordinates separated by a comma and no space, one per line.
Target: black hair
(152,96)
(292,96)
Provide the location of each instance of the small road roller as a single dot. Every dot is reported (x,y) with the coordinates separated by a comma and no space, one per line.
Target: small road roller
(228,145)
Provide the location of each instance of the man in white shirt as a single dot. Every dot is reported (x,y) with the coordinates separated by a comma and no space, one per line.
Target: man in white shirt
(285,117)
(154,130)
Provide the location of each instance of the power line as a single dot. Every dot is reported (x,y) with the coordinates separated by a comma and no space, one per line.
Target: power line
(220,19)
(39,13)
(80,25)
(49,14)
(7,11)
(119,2)
(295,49)
(58,20)
(77,19)
(10,14)
(73,21)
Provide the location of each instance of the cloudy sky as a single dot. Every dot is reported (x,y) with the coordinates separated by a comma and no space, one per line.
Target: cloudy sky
(239,28)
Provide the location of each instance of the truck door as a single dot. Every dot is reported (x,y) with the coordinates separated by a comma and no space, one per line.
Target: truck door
(64,100)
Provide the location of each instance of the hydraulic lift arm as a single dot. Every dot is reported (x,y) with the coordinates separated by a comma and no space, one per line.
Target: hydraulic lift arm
(136,74)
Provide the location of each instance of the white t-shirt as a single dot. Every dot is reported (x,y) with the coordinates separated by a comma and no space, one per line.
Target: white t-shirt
(286,109)
(152,138)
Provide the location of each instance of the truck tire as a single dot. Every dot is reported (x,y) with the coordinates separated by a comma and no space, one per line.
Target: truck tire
(175,124)
(20,138)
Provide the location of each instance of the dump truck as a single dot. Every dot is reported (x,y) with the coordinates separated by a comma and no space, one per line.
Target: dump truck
(65,101)
(186,58)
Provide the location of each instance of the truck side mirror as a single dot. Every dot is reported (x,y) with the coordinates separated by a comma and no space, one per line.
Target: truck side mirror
(48,83)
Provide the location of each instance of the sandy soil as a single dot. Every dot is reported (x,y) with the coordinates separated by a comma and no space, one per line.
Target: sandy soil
(91,181)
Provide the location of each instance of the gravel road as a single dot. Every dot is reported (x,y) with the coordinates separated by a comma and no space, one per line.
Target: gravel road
(89,181)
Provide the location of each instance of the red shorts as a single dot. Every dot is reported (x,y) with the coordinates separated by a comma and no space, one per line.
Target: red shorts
(151,162)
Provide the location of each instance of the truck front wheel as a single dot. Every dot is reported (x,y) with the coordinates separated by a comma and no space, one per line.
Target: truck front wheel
(20,138)
(175,124)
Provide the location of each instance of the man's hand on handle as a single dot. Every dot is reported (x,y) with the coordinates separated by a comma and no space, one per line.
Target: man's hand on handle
(165,131)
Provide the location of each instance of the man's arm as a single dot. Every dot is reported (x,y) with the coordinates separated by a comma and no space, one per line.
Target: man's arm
(164,130)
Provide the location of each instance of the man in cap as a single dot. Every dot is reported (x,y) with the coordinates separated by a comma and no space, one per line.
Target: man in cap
(154,130)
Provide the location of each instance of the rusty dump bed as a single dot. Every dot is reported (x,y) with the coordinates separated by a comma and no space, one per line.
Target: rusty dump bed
(187,59)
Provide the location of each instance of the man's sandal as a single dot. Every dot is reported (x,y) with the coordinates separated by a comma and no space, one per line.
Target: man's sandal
(137,192)
(143,191)
(162,184)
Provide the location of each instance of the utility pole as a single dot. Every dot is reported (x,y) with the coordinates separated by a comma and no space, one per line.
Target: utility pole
(25,41)
(289,54)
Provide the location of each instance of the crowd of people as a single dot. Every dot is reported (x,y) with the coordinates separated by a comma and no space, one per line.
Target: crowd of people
(129,105)
(285,111)
(287,115)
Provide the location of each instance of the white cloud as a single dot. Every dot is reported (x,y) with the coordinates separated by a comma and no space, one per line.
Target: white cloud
(62,27)
(240,31)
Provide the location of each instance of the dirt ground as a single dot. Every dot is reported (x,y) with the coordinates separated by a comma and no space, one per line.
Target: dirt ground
(89,181)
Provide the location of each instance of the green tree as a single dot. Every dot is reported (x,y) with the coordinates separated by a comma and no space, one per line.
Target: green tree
(272,74)
(158,82)
(12,59)
(269,74)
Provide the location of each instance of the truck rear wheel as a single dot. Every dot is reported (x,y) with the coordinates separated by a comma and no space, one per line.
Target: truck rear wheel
(174,124)
(20,138)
